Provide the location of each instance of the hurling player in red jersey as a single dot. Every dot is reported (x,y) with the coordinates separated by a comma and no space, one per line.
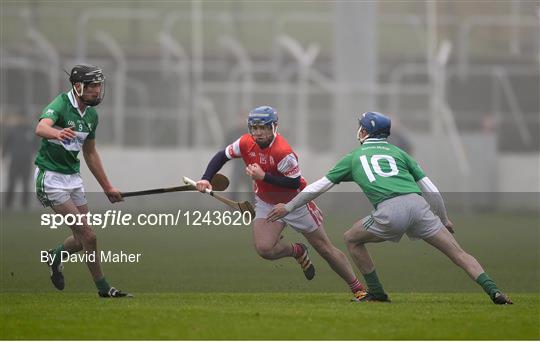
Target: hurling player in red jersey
(273,166)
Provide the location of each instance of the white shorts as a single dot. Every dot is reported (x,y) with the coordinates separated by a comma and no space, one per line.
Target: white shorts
(53,188)
(406,214)
(305,219)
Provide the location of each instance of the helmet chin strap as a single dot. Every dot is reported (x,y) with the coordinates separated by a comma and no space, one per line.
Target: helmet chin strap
(358,136)
(82,89)
(88,103)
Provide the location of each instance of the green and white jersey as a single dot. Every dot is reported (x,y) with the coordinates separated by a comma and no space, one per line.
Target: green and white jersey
(381,169)
(61,156)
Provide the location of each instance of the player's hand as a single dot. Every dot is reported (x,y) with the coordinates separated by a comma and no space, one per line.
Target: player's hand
(255,171)
(450,226)
(66,134)
(202,185)
(277,212)
(114,195)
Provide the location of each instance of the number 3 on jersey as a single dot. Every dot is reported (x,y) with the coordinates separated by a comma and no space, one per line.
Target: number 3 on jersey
(374,161)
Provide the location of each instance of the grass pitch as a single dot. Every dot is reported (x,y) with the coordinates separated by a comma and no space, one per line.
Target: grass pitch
(253,316)
(209,284)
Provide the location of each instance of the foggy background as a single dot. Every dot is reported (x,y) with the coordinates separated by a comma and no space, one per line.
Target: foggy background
(460,79)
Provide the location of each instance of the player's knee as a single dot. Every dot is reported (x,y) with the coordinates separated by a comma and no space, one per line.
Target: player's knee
(265,251)
(88,238)
(77,239)
(349,238)
(78,244)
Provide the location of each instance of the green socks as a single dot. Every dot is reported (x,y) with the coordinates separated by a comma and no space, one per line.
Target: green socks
(487,284)
(375,287)
(373,284)
(102,285)
(56,252)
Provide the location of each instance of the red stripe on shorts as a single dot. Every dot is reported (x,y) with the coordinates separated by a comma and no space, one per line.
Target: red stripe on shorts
(315,213)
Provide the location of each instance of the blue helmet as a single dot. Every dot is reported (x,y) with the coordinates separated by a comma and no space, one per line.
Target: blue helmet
(376,124)
(263,115)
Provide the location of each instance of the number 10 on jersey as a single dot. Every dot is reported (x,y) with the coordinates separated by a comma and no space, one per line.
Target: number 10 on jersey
(374,164)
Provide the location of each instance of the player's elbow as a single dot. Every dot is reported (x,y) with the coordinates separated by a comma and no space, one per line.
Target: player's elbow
(89,152)
(296,182)
(39,130)
(42,130)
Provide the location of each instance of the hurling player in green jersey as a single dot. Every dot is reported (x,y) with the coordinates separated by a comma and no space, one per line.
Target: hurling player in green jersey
(405,201)
(67,126)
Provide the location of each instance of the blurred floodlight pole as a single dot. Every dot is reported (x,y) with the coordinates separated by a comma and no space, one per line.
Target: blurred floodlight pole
(194,116)
(169,48)
(120,83)
(243,71)
(538,17)
(354,62)
(515,42)
(433,69)
(53,58)
(305,60)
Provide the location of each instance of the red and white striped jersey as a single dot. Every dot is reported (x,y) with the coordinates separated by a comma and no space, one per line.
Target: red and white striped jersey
(278,159)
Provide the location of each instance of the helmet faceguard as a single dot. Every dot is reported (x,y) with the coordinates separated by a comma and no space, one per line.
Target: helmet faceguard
(263,116)
(86,75)
(375,124)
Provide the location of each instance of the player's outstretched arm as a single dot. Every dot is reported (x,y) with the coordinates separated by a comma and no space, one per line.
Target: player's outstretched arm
(307,195)
(91,156)
(435,200)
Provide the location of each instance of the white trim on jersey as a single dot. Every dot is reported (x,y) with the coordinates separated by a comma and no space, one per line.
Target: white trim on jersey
(74,144)
(309,193)
(233,150)
(427,185)
(289,167)
(75,104)
(375,141)
(432,195)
